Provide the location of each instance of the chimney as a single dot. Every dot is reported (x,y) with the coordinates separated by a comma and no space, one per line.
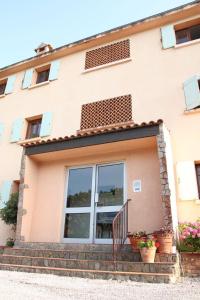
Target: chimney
(43,48)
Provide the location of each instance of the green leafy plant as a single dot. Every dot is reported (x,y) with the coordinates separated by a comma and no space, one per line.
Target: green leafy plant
(148,242)
(10,242)
(9,213)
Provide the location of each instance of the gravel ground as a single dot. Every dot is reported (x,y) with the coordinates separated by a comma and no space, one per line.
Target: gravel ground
(27,286)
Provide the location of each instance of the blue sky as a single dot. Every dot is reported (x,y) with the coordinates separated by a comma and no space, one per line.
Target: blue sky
(26,23)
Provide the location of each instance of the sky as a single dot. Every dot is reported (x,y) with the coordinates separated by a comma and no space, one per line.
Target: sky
(26,23)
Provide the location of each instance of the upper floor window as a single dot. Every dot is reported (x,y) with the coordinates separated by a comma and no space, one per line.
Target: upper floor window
(188,34)
(42,75)
(177,34)
(32,77)
(33,129)
(3,84)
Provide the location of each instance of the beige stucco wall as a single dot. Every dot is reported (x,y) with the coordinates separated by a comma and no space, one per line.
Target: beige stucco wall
(46,205)
(154,77)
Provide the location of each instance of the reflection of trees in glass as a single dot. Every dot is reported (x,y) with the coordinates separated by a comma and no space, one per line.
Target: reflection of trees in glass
(77,225)
(114,196)
(81,199)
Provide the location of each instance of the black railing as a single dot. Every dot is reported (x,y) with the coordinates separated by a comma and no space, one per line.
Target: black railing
(120,229)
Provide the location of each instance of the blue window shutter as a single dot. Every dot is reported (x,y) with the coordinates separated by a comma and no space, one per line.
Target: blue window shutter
(46,124)
(54,70)
(28,75)
(192,93)
(10,84)
(17,130)
(1,130)
(168,36)
(5,192)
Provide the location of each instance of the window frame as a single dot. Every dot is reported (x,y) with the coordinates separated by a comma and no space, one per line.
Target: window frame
(30,122)
(42,70)
(197,169)
(187,29)
(3,83)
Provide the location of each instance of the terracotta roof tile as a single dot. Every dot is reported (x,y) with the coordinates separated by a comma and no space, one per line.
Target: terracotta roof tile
(97,131)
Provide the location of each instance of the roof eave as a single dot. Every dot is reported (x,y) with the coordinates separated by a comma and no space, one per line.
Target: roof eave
(183,11)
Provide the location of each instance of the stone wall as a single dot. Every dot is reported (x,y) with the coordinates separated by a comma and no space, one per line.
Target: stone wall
(165,190)
(20,203)
(190,263)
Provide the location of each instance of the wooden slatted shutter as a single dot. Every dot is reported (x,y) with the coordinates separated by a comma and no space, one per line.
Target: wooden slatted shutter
(10,84)
(192,93)
(187,180)
(168,36)
(46,125)
(54,70)
(28,75)
(16,133)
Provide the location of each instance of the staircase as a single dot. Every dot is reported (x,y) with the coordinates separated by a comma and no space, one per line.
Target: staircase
(90,261)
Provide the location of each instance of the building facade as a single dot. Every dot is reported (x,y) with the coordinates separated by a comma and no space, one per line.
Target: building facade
(81,131)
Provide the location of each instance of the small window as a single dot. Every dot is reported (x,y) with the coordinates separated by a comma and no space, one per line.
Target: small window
(33,129)
(188,34)
(42,75)
(197,166)
(3,86)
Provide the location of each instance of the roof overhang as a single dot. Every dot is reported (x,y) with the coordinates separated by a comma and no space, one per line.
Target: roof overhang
(170,16)
(74,142)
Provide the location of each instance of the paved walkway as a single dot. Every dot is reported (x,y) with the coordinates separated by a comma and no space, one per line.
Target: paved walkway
(27,286)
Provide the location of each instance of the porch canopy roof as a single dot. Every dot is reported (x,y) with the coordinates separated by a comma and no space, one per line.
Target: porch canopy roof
(94,137)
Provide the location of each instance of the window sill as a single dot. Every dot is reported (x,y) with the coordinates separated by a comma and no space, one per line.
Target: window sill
(197,202)
(2,96)
(187,44)
(36,139)
(107,65)
(192,111)
(38,85)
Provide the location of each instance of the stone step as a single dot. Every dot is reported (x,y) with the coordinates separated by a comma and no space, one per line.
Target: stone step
(68,246)
(73,254)
(168,268)
(88,255)
(94,274)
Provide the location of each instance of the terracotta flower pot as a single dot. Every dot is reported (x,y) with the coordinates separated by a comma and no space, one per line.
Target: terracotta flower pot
(134,242)
(148,254)
(165,241)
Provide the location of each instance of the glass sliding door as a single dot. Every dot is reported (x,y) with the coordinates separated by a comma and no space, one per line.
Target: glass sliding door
(109,198)
(78,225)
(94,196)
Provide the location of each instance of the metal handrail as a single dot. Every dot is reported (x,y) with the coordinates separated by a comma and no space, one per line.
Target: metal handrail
(120,229)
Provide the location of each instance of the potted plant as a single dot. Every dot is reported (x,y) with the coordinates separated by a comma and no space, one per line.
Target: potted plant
(164,236)
(189,236)
(148,249)
(135,237)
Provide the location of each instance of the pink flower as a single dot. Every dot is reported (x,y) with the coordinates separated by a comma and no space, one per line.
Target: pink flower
(195,231)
